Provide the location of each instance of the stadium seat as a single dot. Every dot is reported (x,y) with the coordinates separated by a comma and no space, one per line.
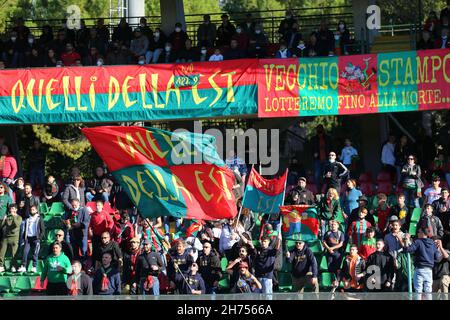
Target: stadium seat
(367,188)
(415,217)
(51,236)
(284,282)
(365,177)
(326,280)
(224,283)
(385,187)
(412,228)
(43,208)
(37,284)
(323,265)
(224,263)
(315,246)
(22,285)
(5,285)
(383,176)
(57,208)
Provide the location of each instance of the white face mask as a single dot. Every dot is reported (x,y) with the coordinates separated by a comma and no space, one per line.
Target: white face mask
(257,31)
(203,51)
(238,30)
(99,63)
(30,40)
(177,29)
(13,39)
(341,26)
(168,48)
(156,34)
(141,62)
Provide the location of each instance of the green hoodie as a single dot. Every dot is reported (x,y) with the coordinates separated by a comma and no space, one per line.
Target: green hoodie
(11,226)
(5,200)
(50,272)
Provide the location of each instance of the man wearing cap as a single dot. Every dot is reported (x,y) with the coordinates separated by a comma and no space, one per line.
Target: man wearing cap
(129,265)
(304,267)
(265,263)
(300,194)
(354,215)
(148,267)
(433,192)
(194,283)
(209,268)
(246,282)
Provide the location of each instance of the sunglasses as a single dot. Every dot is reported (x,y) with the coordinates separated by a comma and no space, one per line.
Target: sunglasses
(60,235)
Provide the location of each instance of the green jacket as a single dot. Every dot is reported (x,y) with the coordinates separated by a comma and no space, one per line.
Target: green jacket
(326,214)
(50,265)
(5,200)
(11,226)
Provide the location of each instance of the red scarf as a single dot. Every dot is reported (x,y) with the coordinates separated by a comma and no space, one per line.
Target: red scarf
(105,280)
(74,285)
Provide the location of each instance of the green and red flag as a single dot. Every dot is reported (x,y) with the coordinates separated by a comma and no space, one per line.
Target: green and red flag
(166,173)
(299,222)
(189,228)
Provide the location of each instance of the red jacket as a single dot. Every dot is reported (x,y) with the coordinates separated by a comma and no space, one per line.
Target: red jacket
(101,222)
(9,168)
(69,58)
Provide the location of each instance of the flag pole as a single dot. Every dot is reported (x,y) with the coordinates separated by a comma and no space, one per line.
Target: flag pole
(243,200)
(164,250)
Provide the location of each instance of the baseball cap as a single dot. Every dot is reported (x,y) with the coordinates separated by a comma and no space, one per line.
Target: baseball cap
(393,218)
(302,179)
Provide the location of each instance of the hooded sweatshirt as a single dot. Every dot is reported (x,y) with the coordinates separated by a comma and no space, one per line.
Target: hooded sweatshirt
(50,266)
(425,253)
(303,261)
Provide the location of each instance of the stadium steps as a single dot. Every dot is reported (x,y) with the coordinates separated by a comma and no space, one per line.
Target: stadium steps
(384,44)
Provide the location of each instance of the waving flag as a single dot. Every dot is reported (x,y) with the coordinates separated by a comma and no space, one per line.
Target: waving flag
(189,228)
(264,195)
(165,173)
(299,222)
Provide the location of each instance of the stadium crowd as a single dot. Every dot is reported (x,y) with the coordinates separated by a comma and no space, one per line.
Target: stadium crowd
(102,245)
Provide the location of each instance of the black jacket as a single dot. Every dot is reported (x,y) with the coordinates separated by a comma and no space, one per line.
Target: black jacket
(40,228)
(113,248)
(305,196)
(84,284)
(144,263)
(303,261)
(209,268)
(385,263)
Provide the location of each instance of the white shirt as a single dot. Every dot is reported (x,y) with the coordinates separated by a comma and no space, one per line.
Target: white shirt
(387,154)
(346,155)
(432,194)
(225,242)
(32,225)
(216,57)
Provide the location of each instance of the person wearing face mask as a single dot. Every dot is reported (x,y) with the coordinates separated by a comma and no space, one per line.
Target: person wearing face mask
(156,46)
(286,24)
(168,56)
(146,30)
(206,32)
(203,54)
(444,41)
(178,38)
(225,31)
(425,42)
(343,36)
(283,52)
(258,44)
(333,172)
(445,13)
(189,54)
(242,38)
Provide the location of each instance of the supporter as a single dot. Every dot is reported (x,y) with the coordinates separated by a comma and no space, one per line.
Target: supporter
(97,41)
(433,192)
(106,279)
(348,153)
(206,33)
(425,256)
(257,47)
(139,44)
(51,191)
(216,56)
(189,54)
(210,268)
(351,197)
(445,23)
(194,283)
(77,224)
(92,57)
(2,65)
(247,282)
(382,212)
(293,36)
(19,189)
(242,38)
(388,155)
(225,31)
(441,208)
(178,265)
(329,209)
(234,52)
(304,196)
(343,36)
(383,274)
(264,263)
(130,259)
(69,56)
(66,247)
(438,166)
(248,26)
(79,64)
(34,232)
(5,200)
(148,267)
(432,223)
(75,190)
(303,263)
(368,244)
(118,55)
(99,187)
(443,41)
(425,42)
(168,56)
(69,32)
(123,32)
(300,50)
(353,271)
(325,40)
(283,52)
(178,38)
(28,201)
(233,264)
(333,172)
(82,38)
(8,166)
(10,233)
(333,242)
(441,271)
(21,29)
(286,24)
(432,24)
(357,229)
(145,28)
(445,13)
(79,283)
(102,30)
(402,212)
(74,172)
(321,145)
(46,38)
(411,182)
(402,151)
(156,46)
(50,59)
(228,238)
(59,44)
(123,231)
(35,60)
(56,268)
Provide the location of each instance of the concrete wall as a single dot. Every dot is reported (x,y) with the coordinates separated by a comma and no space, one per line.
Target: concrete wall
(172,11)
